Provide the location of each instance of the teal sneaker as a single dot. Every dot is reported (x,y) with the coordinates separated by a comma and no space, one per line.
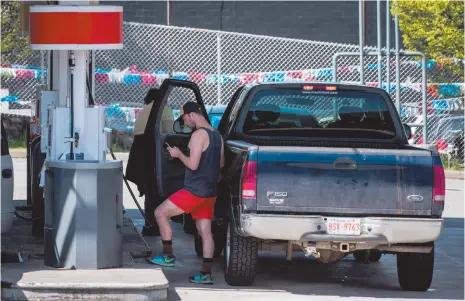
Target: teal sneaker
(163,260)
(202,279)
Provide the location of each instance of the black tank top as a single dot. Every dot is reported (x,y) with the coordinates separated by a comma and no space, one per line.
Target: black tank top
(202,182)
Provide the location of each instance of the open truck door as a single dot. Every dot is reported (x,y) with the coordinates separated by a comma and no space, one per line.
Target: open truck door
(169,172)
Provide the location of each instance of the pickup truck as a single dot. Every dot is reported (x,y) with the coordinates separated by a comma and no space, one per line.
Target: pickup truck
(325,169)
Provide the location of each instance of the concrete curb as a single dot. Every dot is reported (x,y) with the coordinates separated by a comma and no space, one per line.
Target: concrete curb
(133,282)
(75,294)
(450,174)
(454,174)
(18,153)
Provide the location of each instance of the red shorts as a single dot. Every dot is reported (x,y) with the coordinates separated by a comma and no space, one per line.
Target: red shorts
(199,208)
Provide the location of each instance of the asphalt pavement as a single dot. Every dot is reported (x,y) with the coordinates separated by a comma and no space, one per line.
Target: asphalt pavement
(304,278)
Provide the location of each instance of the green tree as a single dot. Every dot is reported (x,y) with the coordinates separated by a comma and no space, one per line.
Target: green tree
(432,27)
(436,29)
(14,47)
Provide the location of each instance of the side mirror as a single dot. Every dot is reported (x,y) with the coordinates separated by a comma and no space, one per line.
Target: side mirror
(408,131)
(180,128)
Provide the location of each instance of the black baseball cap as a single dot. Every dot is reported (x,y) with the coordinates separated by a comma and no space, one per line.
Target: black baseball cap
(191,107)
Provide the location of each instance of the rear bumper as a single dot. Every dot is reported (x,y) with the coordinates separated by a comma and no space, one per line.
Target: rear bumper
(382,230)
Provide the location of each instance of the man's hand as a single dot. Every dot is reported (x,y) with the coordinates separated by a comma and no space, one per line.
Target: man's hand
(174,152)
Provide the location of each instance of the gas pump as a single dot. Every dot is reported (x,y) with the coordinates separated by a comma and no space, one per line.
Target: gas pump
(83,190)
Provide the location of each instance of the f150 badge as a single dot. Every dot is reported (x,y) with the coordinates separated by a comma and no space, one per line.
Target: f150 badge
(276,197)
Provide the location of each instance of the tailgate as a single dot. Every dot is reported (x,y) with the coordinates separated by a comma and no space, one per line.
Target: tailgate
(344,180)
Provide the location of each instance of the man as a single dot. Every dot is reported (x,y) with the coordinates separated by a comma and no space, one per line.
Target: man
(139,169)
(206,158)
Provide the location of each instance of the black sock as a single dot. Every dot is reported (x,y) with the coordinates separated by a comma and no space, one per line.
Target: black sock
(167,247)
(206,266)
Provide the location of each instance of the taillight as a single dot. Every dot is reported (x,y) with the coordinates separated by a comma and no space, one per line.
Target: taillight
(249,180)
(439,185)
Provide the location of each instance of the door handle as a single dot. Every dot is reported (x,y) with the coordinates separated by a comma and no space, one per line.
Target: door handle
(7,173)
(344,163)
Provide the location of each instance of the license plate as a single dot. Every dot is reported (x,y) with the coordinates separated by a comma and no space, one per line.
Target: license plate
(343,226)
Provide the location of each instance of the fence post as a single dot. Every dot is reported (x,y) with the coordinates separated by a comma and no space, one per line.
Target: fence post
(396,29)
(361,28)
(424,99)
(378,27)
(42,67)
(218,66)
(388,47)
(335,56)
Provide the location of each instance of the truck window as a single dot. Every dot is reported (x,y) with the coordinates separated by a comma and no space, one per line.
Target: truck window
(330,114)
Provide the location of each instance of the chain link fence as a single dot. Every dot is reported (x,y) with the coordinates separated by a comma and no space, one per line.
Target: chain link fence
(220,62)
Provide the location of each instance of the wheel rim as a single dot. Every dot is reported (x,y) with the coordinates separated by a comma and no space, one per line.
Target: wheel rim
(227,248)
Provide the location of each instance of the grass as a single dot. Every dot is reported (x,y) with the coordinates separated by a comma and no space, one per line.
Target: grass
(118,149)
(454,164)
(17,143)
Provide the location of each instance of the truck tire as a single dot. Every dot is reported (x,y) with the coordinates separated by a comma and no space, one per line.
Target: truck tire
(240,258)
(415,270)
(367,256)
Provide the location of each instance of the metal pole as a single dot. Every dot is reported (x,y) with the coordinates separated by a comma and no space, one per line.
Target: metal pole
(364,22)
(49,70)
(388,47)
(168,13)
(378,28)
(42,67)
(218,66)
(92,73)
(79,103)
(397,60)
(168,22)
(424,100)
(361,28)
(335,56)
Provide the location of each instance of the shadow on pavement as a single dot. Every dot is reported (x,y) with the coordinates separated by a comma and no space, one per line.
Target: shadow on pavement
(307,277)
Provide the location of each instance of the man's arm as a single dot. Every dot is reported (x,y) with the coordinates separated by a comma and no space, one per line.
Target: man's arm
(195,146)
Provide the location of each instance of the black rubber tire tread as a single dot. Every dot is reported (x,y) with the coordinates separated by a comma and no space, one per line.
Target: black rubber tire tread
(415,270)
(243,259)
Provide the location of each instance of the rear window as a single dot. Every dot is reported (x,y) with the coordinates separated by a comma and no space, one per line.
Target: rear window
(328,114)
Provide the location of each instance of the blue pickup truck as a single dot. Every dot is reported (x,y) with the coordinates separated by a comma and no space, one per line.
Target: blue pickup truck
(324,169)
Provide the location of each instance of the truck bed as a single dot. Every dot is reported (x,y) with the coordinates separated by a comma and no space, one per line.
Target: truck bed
(360,181)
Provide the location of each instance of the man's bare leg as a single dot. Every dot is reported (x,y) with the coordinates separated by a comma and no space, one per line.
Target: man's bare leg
(163,212)
(204,227)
